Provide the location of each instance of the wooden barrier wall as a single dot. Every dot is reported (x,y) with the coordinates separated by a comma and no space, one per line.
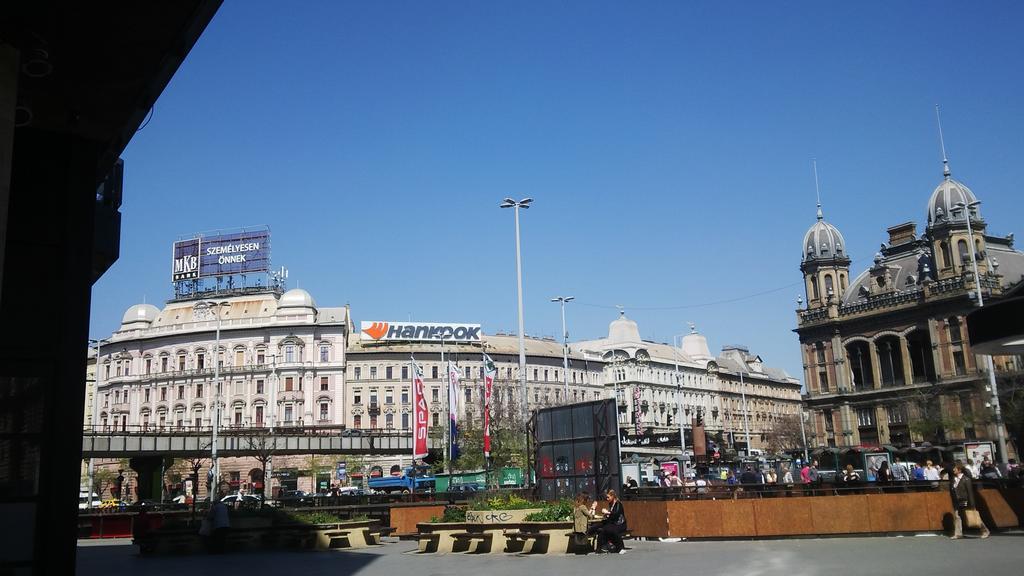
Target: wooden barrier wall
(405,518)
(806,516)
(1000,508)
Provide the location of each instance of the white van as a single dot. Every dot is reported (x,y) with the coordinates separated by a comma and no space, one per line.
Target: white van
(83,500)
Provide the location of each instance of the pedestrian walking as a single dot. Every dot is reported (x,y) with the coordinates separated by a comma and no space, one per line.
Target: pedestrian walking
(900,472)
(964,510)
(219,525)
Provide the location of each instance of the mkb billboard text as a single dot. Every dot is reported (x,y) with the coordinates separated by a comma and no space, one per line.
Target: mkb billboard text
(417,332)
(221,255)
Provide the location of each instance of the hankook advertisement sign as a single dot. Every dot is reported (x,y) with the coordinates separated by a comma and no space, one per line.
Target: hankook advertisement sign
(221,255)
(417,332)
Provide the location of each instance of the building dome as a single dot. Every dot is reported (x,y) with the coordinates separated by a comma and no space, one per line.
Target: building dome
(623,329)
(296,298)
(140,313)
(823,241)
(944,199)
(695,345)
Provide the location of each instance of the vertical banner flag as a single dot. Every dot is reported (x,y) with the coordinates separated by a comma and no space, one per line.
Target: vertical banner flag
(453,410)
(419,413)
(636,410)
(489,373)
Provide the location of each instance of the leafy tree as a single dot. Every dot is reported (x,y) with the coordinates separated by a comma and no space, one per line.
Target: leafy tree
(316,465)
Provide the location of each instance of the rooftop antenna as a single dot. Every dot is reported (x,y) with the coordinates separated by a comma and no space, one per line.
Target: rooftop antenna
(817,187)
(942,144)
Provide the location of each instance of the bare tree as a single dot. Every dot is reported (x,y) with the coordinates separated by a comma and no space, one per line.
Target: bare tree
(263,446)
(784,434)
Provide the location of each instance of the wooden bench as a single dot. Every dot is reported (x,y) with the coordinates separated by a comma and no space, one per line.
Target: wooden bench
(581,542)
(242,538)
(338,539)
(427,542)
(373,536)
(472,542)
(517,541)
(297,538)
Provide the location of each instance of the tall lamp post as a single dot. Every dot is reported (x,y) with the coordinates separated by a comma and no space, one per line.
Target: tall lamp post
(209,305)
(746,413)
(679,393)
(524,204)
(565,345)
(95,409)
(996,409)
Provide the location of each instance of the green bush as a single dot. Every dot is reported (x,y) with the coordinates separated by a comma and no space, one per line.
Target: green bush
(559,511)
(451,514)
(502,502)
(314,517)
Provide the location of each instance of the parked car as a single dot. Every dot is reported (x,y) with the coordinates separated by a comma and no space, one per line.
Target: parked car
(294,498)
(242,500)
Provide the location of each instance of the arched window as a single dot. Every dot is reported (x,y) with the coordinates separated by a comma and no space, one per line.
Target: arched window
(814,288)
(961,248)
(947,261)
(829,289)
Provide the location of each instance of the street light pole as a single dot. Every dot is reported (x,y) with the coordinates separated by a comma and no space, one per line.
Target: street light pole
(565,345)
(996,409)
(524,204)
(95,409)
(214,462)
(679,396)
(803,435)
(746,425)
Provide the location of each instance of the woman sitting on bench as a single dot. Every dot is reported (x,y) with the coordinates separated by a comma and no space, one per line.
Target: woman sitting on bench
(612,526)
(582,514)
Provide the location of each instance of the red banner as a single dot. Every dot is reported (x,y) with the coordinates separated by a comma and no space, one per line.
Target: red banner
(419,413)
(489,372)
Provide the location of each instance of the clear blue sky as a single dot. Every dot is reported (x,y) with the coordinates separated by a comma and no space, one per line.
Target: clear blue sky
(667,146)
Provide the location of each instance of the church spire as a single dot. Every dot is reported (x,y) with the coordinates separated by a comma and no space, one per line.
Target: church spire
(942,145)
(817,188)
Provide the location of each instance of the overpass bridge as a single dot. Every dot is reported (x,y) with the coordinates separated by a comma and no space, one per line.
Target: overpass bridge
(233,441)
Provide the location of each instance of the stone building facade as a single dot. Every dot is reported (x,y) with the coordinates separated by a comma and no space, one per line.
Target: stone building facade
(886,356)
(661,385)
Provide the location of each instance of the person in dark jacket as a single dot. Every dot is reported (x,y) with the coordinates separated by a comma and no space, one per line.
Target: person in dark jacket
(962,492)
(609,536)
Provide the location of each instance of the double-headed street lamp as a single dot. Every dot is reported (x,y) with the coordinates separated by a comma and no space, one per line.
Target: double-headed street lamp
(565,344)
(996,410)
(524,204)
(208,305)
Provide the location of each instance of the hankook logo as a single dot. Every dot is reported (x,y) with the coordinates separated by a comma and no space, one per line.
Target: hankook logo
(376,330)
(418,332)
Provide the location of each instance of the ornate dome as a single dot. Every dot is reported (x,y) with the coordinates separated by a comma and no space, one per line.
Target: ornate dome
(823,241)
(944,199)
(296,298)
(623,329)
(140,313)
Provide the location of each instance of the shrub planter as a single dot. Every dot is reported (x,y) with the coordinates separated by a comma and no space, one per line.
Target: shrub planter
(498,516)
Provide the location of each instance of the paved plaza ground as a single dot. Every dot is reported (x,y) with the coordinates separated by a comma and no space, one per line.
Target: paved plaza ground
(884,556)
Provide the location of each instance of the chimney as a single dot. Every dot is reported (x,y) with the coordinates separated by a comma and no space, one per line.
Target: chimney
(902,233)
